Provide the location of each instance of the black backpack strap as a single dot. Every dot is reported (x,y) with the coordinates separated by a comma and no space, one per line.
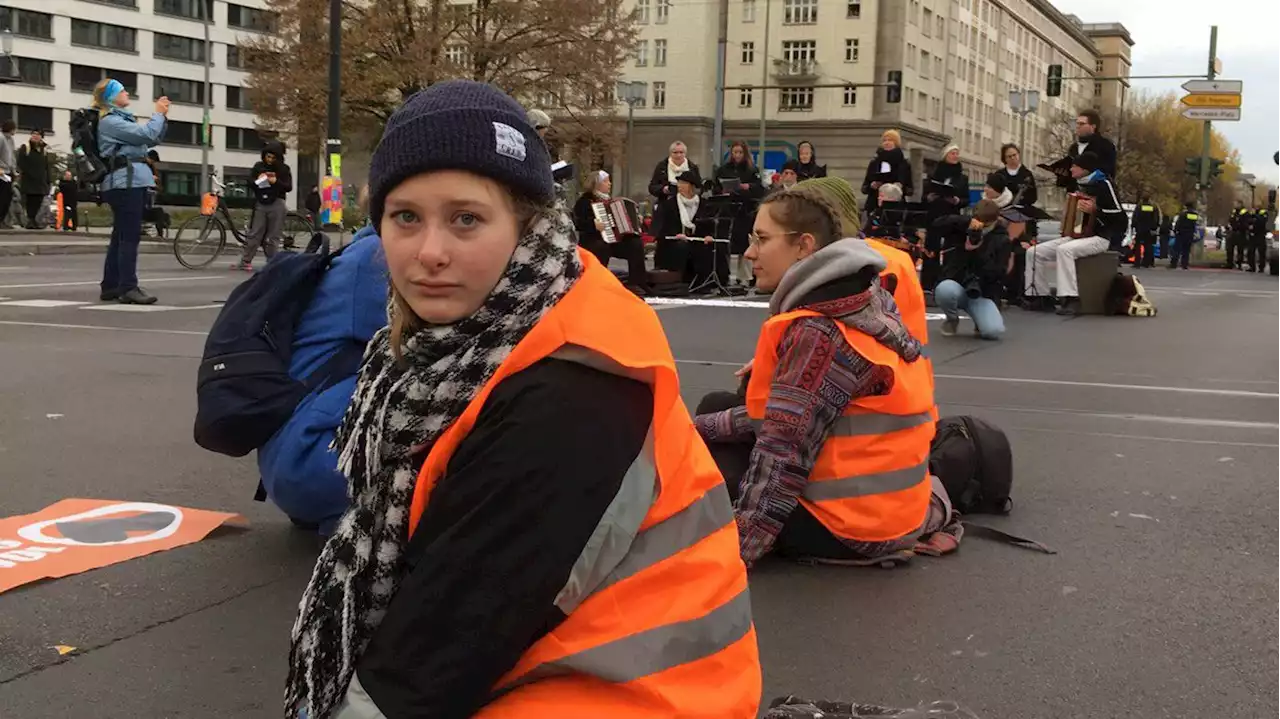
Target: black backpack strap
(260,494)
(981,530)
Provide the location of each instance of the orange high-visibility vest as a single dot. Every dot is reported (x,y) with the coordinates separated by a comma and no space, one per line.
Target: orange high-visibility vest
(658,615)
(908,295)
(871,478)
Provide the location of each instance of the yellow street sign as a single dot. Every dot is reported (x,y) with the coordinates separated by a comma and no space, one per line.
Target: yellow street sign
(1212,100)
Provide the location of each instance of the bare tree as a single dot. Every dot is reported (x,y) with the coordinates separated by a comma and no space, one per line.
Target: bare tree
(561,55)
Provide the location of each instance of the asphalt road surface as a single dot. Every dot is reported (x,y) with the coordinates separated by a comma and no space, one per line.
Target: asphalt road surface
(1145,454)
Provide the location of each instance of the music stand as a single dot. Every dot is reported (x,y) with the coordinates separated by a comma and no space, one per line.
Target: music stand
(715,218)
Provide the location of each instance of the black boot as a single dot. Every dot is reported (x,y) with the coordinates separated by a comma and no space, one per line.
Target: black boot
(1070,306)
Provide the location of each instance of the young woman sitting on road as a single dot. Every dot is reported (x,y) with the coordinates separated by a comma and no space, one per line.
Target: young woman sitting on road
(535,529)
(835,430)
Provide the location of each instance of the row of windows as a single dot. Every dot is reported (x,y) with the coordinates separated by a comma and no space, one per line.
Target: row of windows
(85,78)
(28,23)
(30,117)
(799,51)
(38,24)
(796,99)
(794,12)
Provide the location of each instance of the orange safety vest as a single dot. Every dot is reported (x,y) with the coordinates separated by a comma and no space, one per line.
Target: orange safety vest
(871,479)
(908,295)
(658,614)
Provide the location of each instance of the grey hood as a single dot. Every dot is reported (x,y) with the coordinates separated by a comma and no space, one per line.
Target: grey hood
(843,258)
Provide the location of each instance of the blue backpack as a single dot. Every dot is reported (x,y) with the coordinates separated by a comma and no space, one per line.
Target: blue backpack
(244,393)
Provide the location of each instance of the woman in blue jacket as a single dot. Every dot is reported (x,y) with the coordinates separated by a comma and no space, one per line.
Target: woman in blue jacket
(123,145)
(349,306)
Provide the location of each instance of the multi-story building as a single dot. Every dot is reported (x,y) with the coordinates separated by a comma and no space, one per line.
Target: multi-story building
(154,48)
(814,70)
(1114,45)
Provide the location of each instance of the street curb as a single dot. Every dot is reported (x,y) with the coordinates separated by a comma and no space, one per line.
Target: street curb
(28,249)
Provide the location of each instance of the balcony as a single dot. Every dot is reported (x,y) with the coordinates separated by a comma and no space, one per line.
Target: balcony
(796,71)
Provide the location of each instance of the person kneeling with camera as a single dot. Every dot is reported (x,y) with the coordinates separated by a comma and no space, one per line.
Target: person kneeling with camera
(975,259)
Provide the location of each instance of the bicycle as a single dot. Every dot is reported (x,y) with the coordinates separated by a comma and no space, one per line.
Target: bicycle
(200,239)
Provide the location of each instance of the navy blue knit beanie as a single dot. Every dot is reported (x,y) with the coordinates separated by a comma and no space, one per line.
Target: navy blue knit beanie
(460,125)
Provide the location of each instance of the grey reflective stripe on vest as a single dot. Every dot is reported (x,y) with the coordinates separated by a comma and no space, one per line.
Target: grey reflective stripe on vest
(870,423)
(654,650)
(613,540)
(862,425)
(712,511)
(865,485)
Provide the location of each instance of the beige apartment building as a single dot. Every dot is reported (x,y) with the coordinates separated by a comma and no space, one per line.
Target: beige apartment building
(806,67)
(1114,45)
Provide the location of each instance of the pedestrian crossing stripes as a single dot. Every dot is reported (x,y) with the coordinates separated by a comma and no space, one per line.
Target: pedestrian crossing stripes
(106,307)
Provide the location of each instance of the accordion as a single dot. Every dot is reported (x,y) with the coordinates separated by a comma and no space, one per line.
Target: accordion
(620,218)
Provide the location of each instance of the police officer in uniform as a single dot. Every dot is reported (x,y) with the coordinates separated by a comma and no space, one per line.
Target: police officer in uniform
(1237,236)
(1146,223)
(1184,231)
(1257,244)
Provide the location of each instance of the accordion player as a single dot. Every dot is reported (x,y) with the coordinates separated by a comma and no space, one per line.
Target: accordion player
(619,217)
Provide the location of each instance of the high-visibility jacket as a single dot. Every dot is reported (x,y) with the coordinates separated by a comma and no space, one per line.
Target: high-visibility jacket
(871,478)
(658,614)
(908,294)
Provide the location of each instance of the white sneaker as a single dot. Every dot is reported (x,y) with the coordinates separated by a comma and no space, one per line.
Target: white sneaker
(949,327)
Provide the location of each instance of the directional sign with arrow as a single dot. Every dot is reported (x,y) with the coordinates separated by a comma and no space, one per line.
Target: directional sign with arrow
(1212,100)
(1214,86)
(1215,114)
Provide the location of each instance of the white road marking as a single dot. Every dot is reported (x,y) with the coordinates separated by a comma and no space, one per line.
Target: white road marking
(60,326)
(13,269)
(43,304)
(1126,417)
(148,308)
(706,302)
(1108,385)
(1176,440)
(147,281)
(1240,291)
(1069,383)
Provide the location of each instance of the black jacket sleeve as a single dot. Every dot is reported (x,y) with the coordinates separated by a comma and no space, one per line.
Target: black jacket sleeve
(504,527)
(584,219)
(867,189)
(284,180)
(904,176)
(1031,196)
(659,180)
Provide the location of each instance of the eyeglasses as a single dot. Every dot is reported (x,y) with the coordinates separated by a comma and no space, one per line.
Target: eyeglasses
(757,240)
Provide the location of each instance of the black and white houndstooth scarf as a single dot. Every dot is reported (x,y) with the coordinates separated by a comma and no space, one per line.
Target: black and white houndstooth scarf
(396,414)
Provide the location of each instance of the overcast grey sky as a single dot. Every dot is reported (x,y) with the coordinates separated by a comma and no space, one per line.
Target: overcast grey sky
(1172,37)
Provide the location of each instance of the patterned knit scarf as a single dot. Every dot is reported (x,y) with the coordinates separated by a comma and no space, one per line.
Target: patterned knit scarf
(396,414)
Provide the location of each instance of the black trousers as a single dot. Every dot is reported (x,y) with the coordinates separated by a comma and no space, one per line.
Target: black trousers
(1258,252)
(631,250)
(33,209)
(1235,249)
(6,199)
(1181,253)
(1147,241)
(802,535)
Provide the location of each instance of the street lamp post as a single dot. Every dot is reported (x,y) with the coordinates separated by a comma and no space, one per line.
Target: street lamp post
(633,93)
(1023,103)
(8,69)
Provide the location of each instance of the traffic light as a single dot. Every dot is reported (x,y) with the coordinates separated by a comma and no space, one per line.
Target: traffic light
(1193,167)
(893,92)
(1055,81)
(1215,167)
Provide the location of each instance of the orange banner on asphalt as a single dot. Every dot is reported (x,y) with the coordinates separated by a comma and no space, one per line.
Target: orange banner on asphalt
(76,535)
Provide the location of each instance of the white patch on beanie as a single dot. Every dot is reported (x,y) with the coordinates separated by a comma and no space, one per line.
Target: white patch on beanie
(508,141)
